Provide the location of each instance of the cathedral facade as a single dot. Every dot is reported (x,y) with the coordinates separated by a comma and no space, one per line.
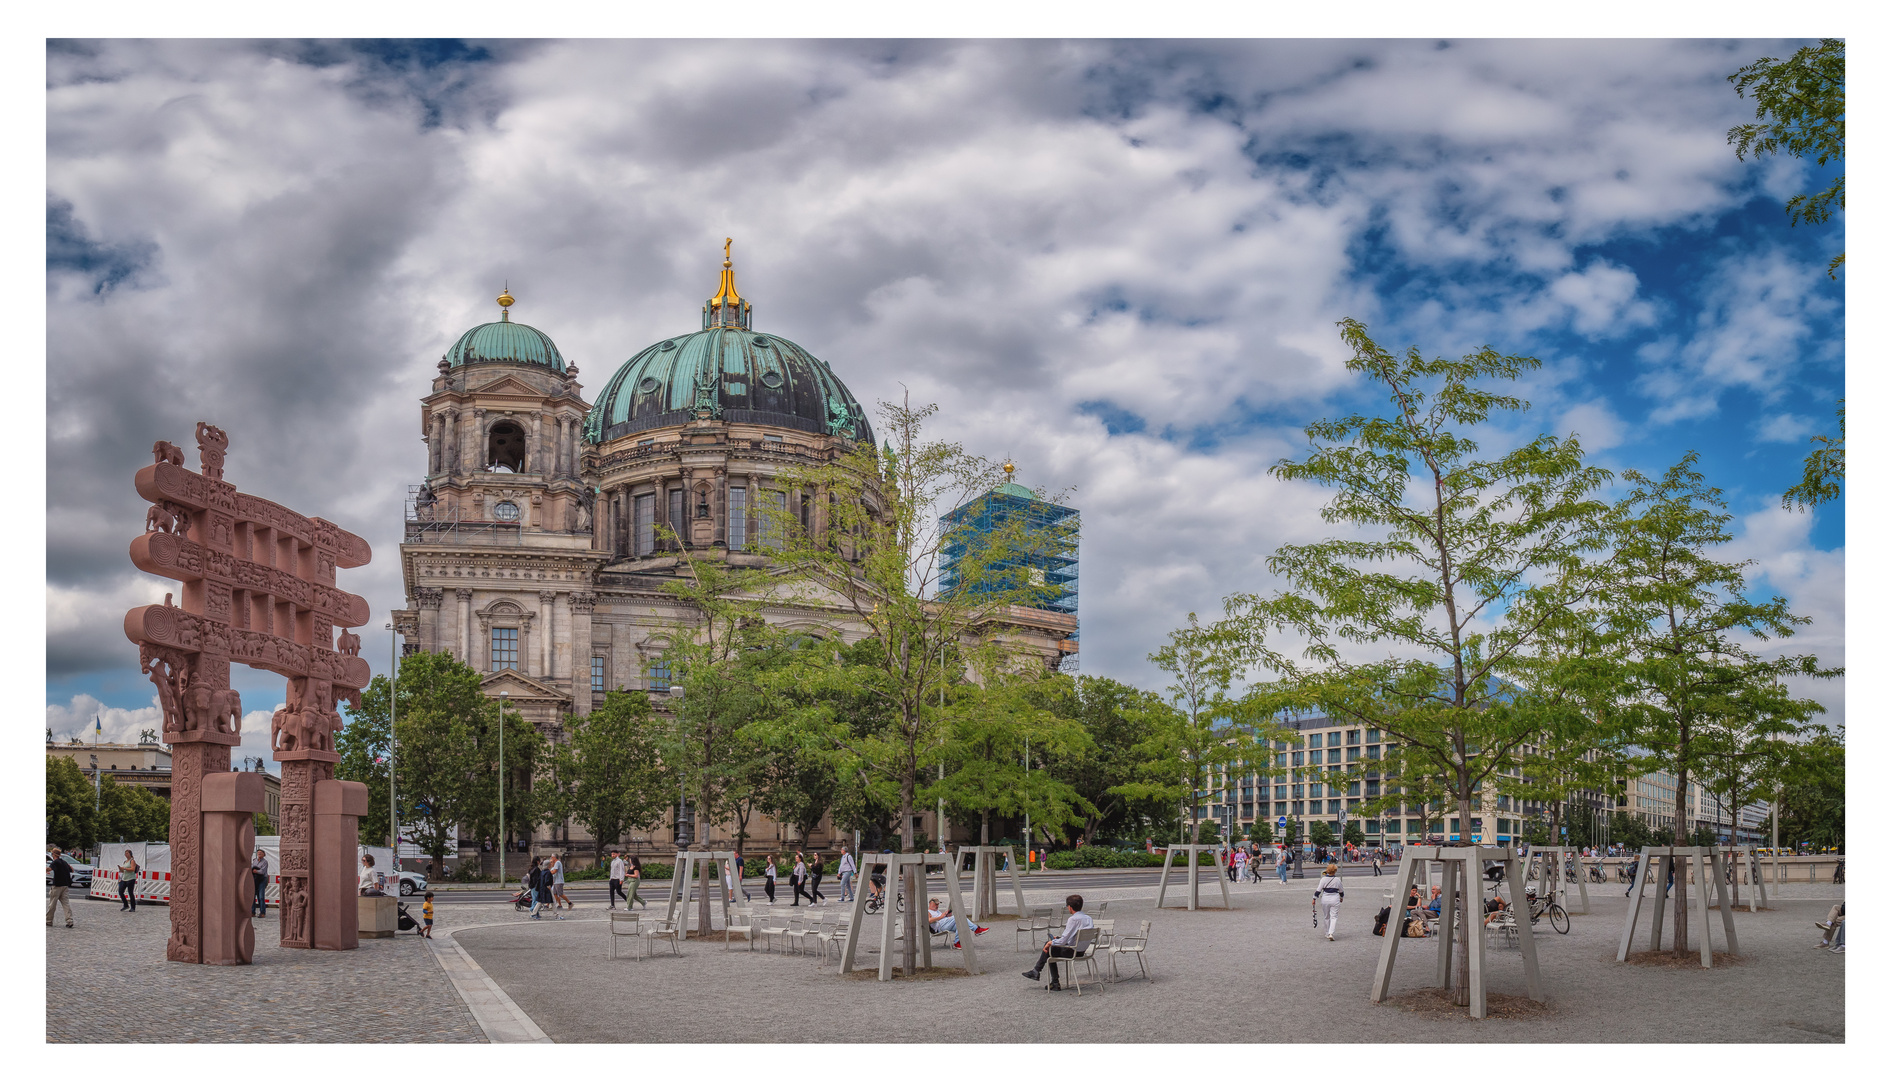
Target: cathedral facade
(537,548)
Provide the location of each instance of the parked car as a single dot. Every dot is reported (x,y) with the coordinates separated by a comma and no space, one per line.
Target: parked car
(412,882)
(81,873)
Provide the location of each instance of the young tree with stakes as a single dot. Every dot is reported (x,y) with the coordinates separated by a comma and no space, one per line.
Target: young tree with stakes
(1683,622)
(1450,545)
(881,556)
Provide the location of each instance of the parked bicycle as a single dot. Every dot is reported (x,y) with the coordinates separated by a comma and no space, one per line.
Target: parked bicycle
(1542,905)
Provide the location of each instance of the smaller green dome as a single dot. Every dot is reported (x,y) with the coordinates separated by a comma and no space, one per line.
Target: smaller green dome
(505,342)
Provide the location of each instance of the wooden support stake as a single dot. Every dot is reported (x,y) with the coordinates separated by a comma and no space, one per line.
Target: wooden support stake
(1394,929)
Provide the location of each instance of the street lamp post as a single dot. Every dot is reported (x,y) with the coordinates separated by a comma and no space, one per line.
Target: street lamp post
(503,694)
(393,815)
(95,787)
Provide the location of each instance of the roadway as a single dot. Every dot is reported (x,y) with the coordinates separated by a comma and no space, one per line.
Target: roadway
(1075,880)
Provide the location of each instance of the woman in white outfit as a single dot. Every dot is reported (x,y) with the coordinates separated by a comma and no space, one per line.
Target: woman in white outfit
(1329,895)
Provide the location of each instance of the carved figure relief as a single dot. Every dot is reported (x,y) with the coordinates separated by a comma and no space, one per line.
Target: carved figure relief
(167,453)
(348,644)
(211,444)
(167,669)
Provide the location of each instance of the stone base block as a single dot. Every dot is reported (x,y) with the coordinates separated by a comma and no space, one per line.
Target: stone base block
(379,915)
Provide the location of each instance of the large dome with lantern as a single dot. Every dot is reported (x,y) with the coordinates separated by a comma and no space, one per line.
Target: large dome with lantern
(729,371)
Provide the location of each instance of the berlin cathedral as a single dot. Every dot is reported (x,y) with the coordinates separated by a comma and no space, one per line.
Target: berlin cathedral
(537,548)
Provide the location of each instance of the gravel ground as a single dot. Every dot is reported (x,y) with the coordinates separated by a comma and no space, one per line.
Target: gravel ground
(1215,971)
(107,981)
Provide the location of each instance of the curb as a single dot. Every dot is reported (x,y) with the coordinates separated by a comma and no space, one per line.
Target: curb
(492,1008)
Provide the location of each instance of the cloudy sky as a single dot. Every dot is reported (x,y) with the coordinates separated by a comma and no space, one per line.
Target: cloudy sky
(1118,263)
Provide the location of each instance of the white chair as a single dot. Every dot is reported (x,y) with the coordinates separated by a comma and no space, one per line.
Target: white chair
(655,930)
(1084,952)
(1030,924)
(1105,934)
(835,935)
(776,930)
(809,929)
(741,921)
(624,924)
(1135,945)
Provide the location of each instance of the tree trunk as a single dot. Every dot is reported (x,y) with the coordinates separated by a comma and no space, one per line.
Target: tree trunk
(703,817)
(1471,921)
(1679,868)
(984,829)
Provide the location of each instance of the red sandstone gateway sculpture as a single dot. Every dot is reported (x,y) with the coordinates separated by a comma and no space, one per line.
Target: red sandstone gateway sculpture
(259,589)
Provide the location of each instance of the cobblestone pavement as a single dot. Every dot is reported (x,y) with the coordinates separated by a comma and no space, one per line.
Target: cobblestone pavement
(107,981)
(1220,976)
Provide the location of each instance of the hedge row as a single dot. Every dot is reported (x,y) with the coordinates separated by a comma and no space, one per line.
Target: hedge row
(1084,858)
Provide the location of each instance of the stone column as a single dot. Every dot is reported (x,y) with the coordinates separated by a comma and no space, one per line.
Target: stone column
(535,450)
(449,440)
(429,601)
(464,596)
(581,607)
(565,424)
(195,755)
(302,893)
(475,439)
(339,805)
(230,801)
(547,604)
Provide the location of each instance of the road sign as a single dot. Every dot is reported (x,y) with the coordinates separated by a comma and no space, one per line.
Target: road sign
(1282,822)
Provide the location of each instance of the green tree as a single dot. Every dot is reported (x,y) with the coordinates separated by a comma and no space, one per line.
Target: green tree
(990,727)
(1292,832)
(1629,830)
(1450,548)
(132,813)
(1115,718)
(362,744)
(1319,832)
(1811,794)
(1747,746)
(880,553)
(1800,112)
(1198,730)
(1824,470)
(71,819)
(611,770)
(1261,831)
(1682,620)
(1354,834)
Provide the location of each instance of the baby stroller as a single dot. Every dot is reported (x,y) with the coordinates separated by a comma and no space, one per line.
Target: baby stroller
(404,920)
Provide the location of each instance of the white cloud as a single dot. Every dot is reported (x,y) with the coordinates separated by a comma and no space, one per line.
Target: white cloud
(1785,428)
(75,718)
(1011,229)
(1785,563)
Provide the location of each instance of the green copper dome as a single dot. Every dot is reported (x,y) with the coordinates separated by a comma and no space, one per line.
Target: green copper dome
(731,373)
(505,342)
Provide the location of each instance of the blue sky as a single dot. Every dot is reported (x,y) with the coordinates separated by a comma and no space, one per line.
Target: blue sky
(1119,263)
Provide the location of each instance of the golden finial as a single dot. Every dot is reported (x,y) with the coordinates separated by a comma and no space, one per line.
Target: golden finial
(505,302)
(1009,469)
(727,298)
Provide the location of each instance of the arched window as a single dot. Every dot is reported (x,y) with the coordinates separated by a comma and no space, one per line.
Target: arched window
(505,447)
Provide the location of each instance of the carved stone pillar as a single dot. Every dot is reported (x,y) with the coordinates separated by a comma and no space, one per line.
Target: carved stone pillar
(581,607)
(230,802)
(547,603)
(429,601)
(536,458)
(464,596)
(338,805)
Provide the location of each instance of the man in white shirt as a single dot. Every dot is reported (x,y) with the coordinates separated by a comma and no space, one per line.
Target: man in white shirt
(617,871)
(847,870)
(1063,945)
(558,899)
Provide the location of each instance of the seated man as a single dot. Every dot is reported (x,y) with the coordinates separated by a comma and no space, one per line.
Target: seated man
(1064,945)
(944,922)
(1493,907)
(1832,925)
(1437,901)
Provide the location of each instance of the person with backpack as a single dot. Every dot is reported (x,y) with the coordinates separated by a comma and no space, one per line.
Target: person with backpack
(1329,895)
(128,882)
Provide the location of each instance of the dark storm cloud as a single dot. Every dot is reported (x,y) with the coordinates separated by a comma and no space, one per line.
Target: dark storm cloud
(70,249)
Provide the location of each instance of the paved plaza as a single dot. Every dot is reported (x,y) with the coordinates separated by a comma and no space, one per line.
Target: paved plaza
(1259,972)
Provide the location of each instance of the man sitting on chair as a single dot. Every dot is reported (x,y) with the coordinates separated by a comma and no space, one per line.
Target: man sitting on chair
(945,922)
(1065,945)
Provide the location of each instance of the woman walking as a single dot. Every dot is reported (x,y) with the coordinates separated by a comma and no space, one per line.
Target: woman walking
(767,880)
(531,885)
(815,871)
(798,878)
(636,879)
(1329,895)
